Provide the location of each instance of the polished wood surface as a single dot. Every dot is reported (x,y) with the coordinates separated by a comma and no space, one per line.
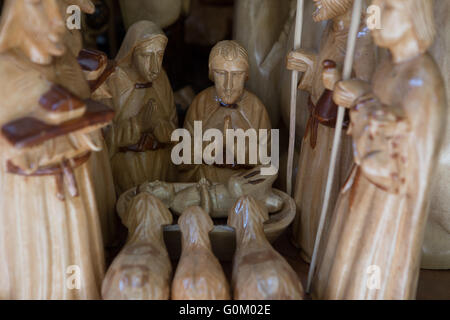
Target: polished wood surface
(141,110)
(142,270)
(316,145)
(226,105)
(397,126)
(54,236)
(259,271)
(199,275)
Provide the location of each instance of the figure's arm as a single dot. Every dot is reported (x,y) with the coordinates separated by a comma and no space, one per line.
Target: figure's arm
(162,119)
(348,92)
(124,131)
(303,61)
(381,149)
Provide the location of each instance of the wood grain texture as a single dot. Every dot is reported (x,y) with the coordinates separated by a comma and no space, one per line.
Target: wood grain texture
(397,126)
(216,198)
(29,131)
(317,142)
(199,275)
(227,105)
(51,246)
(436,248)
(140,112)
(142,270)
(259,271)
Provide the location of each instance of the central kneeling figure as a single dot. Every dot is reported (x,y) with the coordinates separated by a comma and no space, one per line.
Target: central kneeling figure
(226,106)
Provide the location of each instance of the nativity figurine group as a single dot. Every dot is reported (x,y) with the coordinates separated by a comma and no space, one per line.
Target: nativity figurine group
(87,144)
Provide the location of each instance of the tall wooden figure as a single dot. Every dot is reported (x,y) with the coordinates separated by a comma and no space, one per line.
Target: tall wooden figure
(372,249)
(318,139)
(50,237)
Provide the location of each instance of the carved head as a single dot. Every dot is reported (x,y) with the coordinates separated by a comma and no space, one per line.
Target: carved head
(147,211)
(143,49)
(36,27)
(246,212)
(403,21)
(195,222)
(329,9)
(229,68)
(148,58)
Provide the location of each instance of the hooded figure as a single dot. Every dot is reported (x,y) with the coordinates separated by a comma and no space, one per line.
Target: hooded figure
(139,139)
(50,236)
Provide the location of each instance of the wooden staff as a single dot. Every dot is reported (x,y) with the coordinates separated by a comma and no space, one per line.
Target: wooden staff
(294,85)
(348,66)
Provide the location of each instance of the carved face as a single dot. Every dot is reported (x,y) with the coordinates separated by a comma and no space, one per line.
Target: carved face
(229,78)
(148,58)
(329,9)
(395,23)
(36,27)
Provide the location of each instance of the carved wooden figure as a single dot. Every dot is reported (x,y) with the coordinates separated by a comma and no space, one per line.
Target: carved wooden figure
(397,126)
(215,198)
(96,69)
(227,105)
(318,139)
(199,275)
(93,67)
(142,270)
(49,224)
(259,271)
(139,139)
(436,247)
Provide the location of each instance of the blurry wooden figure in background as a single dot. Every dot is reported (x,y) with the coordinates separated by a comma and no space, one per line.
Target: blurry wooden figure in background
(318,139)
(142,270)
(373,245)
(96,69)
(139,139)
(436,247)
(95,72)
(163,13)
(199,275)
(259,271)
(262,27)
(49,222)
(227,105)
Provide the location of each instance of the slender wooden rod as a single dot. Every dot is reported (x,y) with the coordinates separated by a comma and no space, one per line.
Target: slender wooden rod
(294,84)
(348,66)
